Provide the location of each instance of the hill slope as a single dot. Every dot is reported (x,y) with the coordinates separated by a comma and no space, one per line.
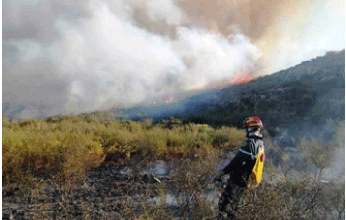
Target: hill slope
(311,92)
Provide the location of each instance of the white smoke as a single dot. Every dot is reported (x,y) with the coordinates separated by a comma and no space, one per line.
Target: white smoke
(164,10)
(211,56)
(303,33)
(105,57)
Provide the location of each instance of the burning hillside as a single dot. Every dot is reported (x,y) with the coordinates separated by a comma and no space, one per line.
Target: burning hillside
(239,79)
(95,55)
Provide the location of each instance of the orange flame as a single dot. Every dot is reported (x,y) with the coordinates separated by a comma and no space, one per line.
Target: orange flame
(239,79)
(170,99)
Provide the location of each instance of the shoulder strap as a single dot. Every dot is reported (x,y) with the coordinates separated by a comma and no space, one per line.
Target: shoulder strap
(248,153)
(252,148)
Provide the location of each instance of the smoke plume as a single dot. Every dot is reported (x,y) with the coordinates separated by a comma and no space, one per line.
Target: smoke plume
(79,56)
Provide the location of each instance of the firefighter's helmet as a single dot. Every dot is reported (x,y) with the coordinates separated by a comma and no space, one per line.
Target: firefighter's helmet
(253,122)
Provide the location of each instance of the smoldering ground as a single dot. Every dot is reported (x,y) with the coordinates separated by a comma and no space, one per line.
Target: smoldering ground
(79,56)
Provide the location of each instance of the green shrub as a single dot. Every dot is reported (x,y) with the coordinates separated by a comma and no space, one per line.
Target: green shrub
(42,149)
(69,146)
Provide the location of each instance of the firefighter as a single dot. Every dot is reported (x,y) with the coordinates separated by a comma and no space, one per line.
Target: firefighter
(241,167)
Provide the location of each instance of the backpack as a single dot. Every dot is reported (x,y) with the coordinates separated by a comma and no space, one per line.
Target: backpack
(257,171)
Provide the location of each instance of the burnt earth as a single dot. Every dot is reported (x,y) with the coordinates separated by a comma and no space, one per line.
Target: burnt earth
(106,193)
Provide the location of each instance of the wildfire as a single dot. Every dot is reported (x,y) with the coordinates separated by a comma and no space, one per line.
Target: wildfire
(160,99)
(170,99)
(239,79)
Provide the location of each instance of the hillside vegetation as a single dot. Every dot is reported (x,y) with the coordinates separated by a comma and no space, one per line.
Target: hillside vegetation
(310,93)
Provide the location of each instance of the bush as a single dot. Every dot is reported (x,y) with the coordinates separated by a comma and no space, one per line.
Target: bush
(69,146)
(42,149)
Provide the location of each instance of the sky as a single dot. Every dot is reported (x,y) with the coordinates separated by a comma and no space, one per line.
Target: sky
(74,56)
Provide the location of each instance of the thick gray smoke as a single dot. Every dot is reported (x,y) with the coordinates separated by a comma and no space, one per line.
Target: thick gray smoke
(79,56)
(95,55)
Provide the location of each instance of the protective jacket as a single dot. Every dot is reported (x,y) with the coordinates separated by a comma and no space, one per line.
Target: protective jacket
(243,162)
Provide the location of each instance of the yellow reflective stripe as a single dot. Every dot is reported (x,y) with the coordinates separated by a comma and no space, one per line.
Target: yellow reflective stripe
(255,124)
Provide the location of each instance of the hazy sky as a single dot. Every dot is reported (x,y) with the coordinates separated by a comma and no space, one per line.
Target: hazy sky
(91,55)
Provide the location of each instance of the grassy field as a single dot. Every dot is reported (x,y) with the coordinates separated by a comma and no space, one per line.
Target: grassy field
(72,168)
(68,147)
